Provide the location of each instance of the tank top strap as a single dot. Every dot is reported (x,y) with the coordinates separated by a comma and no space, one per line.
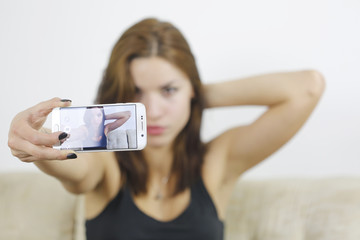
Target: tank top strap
(201,196)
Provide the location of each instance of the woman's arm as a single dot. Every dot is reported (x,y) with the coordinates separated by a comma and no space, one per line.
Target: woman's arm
(29,144)
(79,175)
(120,119)
(290,98)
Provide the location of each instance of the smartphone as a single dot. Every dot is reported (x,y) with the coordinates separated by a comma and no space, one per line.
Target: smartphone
(103,127)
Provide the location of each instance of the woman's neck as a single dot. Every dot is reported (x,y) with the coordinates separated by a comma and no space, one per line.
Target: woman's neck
(159,161)
(160,181)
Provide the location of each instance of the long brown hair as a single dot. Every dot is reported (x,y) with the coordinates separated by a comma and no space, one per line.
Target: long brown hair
(146,38)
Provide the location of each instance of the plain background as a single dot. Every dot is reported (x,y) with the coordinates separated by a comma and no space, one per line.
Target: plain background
(60,48)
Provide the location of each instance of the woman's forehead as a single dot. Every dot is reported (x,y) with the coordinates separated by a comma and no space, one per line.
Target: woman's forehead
(155,71)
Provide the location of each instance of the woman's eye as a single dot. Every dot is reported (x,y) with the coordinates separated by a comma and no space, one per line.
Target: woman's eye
(169,90)
(137,90)
(137,93)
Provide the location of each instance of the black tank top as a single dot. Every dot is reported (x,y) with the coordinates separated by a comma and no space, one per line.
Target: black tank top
(122,219)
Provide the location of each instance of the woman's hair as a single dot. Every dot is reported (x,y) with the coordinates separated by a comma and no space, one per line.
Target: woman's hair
(89,116)
(147,38)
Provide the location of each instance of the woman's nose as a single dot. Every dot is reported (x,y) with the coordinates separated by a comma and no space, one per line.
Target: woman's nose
(153,107)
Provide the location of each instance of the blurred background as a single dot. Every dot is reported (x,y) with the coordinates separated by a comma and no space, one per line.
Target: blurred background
(61,48)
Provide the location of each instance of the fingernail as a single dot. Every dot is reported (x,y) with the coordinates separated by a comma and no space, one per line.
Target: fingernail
(65,100)
(71,156)
(63,136)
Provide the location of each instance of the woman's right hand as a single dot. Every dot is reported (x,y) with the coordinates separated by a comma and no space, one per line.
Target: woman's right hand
(28,143)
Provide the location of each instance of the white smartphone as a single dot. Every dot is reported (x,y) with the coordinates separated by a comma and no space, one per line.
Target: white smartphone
(103,127)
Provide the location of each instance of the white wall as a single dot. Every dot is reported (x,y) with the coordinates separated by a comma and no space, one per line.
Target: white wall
(60,48)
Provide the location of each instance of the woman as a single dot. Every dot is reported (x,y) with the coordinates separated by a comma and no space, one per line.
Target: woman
(89,135)
(177,187)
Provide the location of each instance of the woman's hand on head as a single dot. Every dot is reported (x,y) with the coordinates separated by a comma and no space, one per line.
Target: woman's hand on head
(26,140)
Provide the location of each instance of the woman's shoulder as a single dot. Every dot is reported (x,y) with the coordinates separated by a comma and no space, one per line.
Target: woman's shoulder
(111,177)
(108,186)
(105,172)
(216,160)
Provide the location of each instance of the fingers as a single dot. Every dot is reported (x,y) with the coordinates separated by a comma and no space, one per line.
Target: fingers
(27,151)
(21,129)
(31,153)
(40,138)
(44,108)
(29,144)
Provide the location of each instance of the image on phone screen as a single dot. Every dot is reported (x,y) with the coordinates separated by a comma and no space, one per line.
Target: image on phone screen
(111,127)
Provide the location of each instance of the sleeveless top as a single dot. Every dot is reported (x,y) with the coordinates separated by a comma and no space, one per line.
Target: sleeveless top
(122,219)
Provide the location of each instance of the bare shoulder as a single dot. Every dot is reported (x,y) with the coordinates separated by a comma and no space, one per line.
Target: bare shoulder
(215,161)
(107,187)
(217,180)
(111,178)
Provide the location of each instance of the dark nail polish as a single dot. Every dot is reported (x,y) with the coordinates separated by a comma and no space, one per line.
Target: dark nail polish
(71,156)
(65,100)
(63,136)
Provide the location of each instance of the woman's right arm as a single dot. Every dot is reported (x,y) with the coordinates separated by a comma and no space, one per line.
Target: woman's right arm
(78,173)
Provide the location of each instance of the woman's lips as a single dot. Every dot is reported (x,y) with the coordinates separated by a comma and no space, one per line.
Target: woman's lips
(155,130)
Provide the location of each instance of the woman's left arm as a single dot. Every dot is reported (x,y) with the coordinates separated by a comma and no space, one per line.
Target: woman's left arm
(290,98)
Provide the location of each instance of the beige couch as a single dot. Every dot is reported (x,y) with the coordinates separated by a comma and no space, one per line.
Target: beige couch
(34,206)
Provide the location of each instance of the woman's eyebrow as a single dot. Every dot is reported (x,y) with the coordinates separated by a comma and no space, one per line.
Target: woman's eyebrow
(165,85)
(171,82)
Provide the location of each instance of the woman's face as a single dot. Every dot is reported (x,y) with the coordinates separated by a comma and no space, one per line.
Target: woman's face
(97,117)
(166,93)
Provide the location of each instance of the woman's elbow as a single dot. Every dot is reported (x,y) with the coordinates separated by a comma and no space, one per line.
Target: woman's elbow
(315,83)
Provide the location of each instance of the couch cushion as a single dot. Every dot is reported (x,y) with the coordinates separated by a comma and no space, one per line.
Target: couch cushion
(296,209)
(35,206)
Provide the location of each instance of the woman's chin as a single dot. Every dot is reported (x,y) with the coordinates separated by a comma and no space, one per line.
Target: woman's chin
(153,144)
(157,141)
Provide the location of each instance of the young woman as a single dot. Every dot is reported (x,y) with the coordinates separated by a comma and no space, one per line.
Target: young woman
(177,187)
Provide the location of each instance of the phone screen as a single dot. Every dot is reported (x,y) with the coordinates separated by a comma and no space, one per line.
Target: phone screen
(111,127)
